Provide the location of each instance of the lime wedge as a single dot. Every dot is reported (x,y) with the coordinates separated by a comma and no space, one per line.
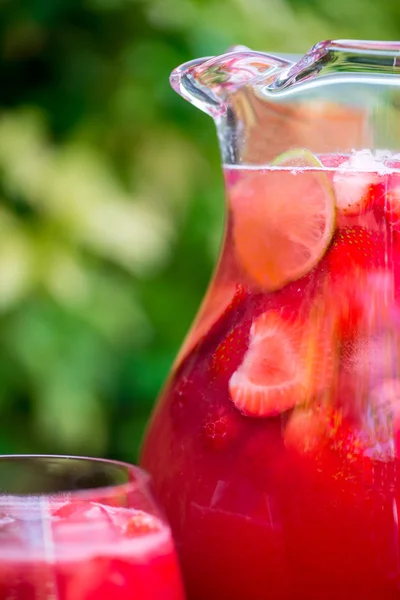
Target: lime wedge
(283,219)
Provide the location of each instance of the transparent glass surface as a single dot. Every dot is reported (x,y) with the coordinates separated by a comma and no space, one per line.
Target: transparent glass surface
(275,443)
(82,529)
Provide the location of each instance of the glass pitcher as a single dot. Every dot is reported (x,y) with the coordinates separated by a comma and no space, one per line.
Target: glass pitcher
(275,444)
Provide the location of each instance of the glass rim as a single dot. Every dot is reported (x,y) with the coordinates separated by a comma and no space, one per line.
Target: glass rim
(138,479)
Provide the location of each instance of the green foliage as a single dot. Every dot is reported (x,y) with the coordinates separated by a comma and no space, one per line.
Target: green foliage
(111,199)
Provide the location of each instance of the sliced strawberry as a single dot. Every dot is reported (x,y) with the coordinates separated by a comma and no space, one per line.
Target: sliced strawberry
(357,191)
(141,524)
(326,441)
(270,378)
(369,220)
(359,280)
(229,353)
(362,301)
(295,298)
(330,443)
(319,351)
(388,208)
(291,301)
(354,249)
(373,433)
(289,361)
(333,160)
(346,449)
(306,433)
(392,163)
(347,306)
(221,305)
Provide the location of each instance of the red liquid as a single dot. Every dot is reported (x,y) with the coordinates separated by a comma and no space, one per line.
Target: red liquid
(303,504)
(87,551)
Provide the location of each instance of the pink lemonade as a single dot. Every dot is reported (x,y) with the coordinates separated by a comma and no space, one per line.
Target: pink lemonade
(87,551)
(275,446)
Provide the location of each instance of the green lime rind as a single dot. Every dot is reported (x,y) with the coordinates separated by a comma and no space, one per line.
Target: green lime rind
(298,157)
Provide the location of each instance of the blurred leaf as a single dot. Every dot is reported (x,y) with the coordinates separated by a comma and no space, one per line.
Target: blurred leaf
(67,416)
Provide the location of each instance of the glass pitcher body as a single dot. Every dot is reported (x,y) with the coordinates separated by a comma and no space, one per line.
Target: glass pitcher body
(275,443)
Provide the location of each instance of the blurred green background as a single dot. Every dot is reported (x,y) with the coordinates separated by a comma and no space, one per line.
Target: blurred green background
(111,200)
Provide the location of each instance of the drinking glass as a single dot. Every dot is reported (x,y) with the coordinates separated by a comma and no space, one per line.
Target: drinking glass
(75,528)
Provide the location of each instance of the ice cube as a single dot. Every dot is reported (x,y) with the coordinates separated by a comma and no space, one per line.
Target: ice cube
(5,520)
(141,523)
(363,161)
(10,530)
(380,422)
(374,358)
(383,155)
(75,521)
(21,530)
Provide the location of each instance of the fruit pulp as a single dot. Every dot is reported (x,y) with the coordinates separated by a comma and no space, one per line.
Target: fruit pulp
(87,551)
(275,445)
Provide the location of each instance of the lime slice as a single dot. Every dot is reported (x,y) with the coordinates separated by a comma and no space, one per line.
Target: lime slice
(283,219)
(300,157)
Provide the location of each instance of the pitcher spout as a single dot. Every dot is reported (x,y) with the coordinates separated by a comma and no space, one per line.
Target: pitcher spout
(208,82)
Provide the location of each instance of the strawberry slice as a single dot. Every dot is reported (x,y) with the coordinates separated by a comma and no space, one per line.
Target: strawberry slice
(319,351)
(289,361)
(333,160)
(347,305)
(354,249)
(221,304)
(229,353)
(270,378)
(349,447)
(306,432)
(322,435)
(358,184)
(356,193)
(361,302)
(327,442)
(370,220)
(363,267)
(388,207)
(141,524)
(290,302)
(372,432)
